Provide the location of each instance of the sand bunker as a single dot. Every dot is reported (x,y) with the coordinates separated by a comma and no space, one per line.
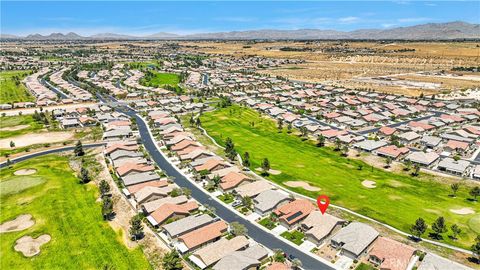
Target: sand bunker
(463,211)
(37,138)
(30,246)
(301,184)
(25,172)
(274,172)
(14,128)
(369,184)
(20,223)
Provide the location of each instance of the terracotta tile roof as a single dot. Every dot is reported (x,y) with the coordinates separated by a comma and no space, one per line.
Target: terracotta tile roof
(157,183)
(278,266)
(131,166)
(232,180)
(183,144)
(190,149)
(210,165)
(115,147)
(425,126)
(452,144)
(294,211)
(395,255)
(168,209)
(454,118)
(204,234)
(392,151)
(387,130)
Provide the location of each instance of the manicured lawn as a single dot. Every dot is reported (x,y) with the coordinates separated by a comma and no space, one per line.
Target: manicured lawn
(10,122)
(398,199)
(268,223)
(364,266)
(68,212)
(166,80)
(294,236)
(227,198)
(12,90)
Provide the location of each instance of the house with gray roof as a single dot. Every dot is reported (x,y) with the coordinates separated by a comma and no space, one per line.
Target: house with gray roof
(422,158)
(212,253)
(354,240)
(369,145)
(120,154)
(249,258)
(450,165)
(187,224)
(268,200)
(435,262)
(133,179)
(153,205)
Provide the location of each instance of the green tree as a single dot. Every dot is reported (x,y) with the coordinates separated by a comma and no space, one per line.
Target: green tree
(278,256)
(321,140)
(475,192)
(238,228)
(280,125)
(172,261)
(265,166)
(84,176)
(198,123)
(136,228)
(186,191)
(419,228)
(78,151)
(345,150)
(455,187)
(107,207)
(303,131)
(388,162)
(455,231)
(192,121)
(104,187)
(408,165)
(416,170)
(338,144)
(246,160)
(289,128)
(439,227)
(475,248)
(247,202)
(216,180)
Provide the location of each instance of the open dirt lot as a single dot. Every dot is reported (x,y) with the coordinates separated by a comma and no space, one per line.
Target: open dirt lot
(38,138)
(338,63)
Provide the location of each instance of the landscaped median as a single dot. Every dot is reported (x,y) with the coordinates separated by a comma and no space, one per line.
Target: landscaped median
(398,199)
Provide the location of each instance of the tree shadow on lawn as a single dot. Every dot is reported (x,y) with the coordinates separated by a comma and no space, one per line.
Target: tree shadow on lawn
(435,236)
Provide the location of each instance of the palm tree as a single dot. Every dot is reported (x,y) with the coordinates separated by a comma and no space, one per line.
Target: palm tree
(321,140)
(454,187)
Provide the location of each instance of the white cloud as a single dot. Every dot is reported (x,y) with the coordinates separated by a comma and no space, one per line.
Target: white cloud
(350,19)
(410,20)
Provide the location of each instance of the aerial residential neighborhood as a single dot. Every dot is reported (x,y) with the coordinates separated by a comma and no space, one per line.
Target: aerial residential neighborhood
(240,135)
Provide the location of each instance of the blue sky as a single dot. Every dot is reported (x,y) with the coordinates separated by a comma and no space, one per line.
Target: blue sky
(141,18)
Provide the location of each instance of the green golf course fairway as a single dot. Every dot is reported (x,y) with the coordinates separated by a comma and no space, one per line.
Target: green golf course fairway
(10,91)
(69,213)
(398,199)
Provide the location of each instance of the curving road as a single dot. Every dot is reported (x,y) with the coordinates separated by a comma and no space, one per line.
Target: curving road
(50,151)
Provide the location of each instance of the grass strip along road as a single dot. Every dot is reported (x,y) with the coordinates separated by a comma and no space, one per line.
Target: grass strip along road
(398,198)
(68,212)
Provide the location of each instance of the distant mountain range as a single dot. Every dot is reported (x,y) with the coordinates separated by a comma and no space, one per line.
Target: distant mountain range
(430,31)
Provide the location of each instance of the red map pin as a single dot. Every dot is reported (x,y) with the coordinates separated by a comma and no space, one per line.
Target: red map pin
(323,201)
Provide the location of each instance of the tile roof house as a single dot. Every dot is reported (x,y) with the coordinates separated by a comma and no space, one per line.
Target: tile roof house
(435,262)
(295,211)
(268,200)
(151,206)
(354,239)
(392,151)
(133,179)
(188,224)
(278,266)
(232,180)
(421,158)
(170,210)
(390,254)
(151,193)
(201,236)
(249,258)
(253,189)
(133,168)
(212,165)
(212,253)
(318,226)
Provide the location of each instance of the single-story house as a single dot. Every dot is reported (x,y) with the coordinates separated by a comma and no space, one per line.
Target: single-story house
(212,253)
(354,239)
(268,200)
(318,226)
(389,254)
(201,236)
